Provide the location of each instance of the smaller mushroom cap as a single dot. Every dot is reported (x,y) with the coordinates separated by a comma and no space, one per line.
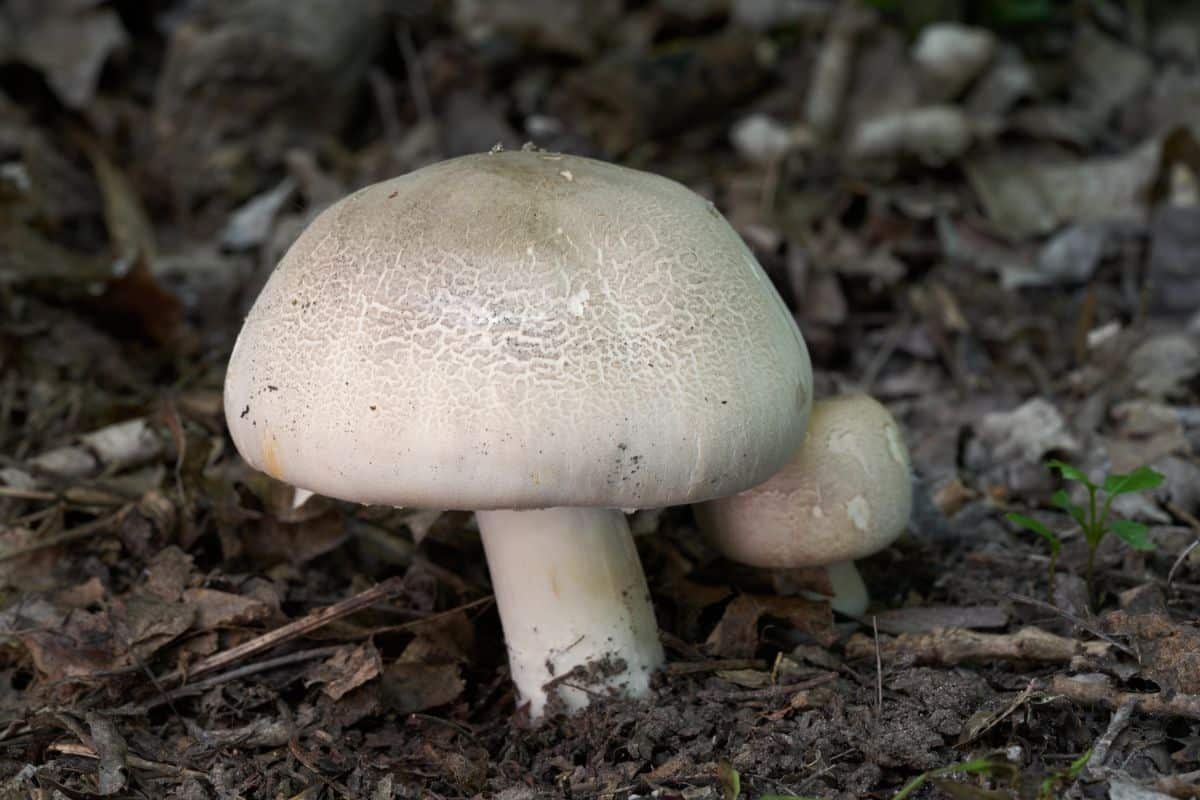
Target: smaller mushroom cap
(846,493)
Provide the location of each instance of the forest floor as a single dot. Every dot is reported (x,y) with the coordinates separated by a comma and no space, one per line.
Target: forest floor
(995,233)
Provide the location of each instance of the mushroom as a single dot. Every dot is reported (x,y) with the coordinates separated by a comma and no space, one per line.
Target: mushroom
(543,339)
(846,493)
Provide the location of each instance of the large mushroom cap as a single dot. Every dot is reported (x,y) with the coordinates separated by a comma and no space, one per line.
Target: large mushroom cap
(519,330)
(845,494)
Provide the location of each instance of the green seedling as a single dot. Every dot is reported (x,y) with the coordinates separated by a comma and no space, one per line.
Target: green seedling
(1054,783)
(1095,519)
(986,765)
(1001,771)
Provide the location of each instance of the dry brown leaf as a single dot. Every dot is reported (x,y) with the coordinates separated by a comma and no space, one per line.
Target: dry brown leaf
(736,635)
(296,542)
(345,670)
(148,623)
(408,688)
(168,573)
(112,751)
(1169,650)
(916,619)
(1029,198)
(70,43)
(215,609)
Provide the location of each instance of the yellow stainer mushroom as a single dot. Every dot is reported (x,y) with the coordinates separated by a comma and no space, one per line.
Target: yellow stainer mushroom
(846,493)
(543,339)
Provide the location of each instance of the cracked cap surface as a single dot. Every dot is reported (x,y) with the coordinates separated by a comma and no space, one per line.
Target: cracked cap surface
(519,330)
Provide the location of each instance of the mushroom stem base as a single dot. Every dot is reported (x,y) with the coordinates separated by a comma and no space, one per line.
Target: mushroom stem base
(572,596)
(850,595)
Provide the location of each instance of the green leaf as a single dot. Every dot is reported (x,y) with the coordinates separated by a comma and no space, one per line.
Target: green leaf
(1063,501)
(1139,480)
(1041,530)
(1132,534)
(1078,764)
(1069,472)
(1047,790)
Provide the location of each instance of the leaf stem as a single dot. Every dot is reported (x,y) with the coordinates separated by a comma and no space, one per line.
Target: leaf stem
(1091,575)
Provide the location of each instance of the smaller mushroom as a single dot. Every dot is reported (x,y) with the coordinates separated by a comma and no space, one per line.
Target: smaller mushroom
(846,493)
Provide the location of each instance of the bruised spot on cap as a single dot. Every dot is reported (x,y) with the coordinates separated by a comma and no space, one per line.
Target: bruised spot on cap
(271,463)
(860,512)
(895,446)
(846,442)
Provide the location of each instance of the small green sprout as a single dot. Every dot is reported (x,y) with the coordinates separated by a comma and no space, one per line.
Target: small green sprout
(1094,520)
(1001,771)
(994,766)
(1053,784)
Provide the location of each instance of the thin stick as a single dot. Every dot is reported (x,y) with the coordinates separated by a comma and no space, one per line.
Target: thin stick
(26,494)
(237,674)
(1160,704)
(884,354)
(679,668)
(76,495)
(1092,629)
(1187,551)
(306,624)
(770,691)
(1184,515)
(137,762)
(416,75)
(71,535)
(878,668)
(417,623)
(1120,719)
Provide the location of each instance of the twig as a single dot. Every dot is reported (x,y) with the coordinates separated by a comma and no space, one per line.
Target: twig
(1183,514)
(1078,621)
(306,760)
(306,624)
(416,75)
(884,354)
(1120,719)
(1187,551)
(76,495)
(950,646)
(769,691)
(83,751)
(971,734)
(385,101)
(422,621)
(1102,693)
(71,535)
(878,668)
(26,494)
(679,668)
(236,674)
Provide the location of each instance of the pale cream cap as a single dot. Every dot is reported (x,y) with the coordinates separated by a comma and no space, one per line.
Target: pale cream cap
(519,330)
(845,494)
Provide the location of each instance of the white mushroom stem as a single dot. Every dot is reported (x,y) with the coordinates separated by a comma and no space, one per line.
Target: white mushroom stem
(850,595)
(300,497)
(571,592)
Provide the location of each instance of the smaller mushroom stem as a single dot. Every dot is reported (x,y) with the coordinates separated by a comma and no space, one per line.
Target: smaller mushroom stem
(571,593)
(850,595)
